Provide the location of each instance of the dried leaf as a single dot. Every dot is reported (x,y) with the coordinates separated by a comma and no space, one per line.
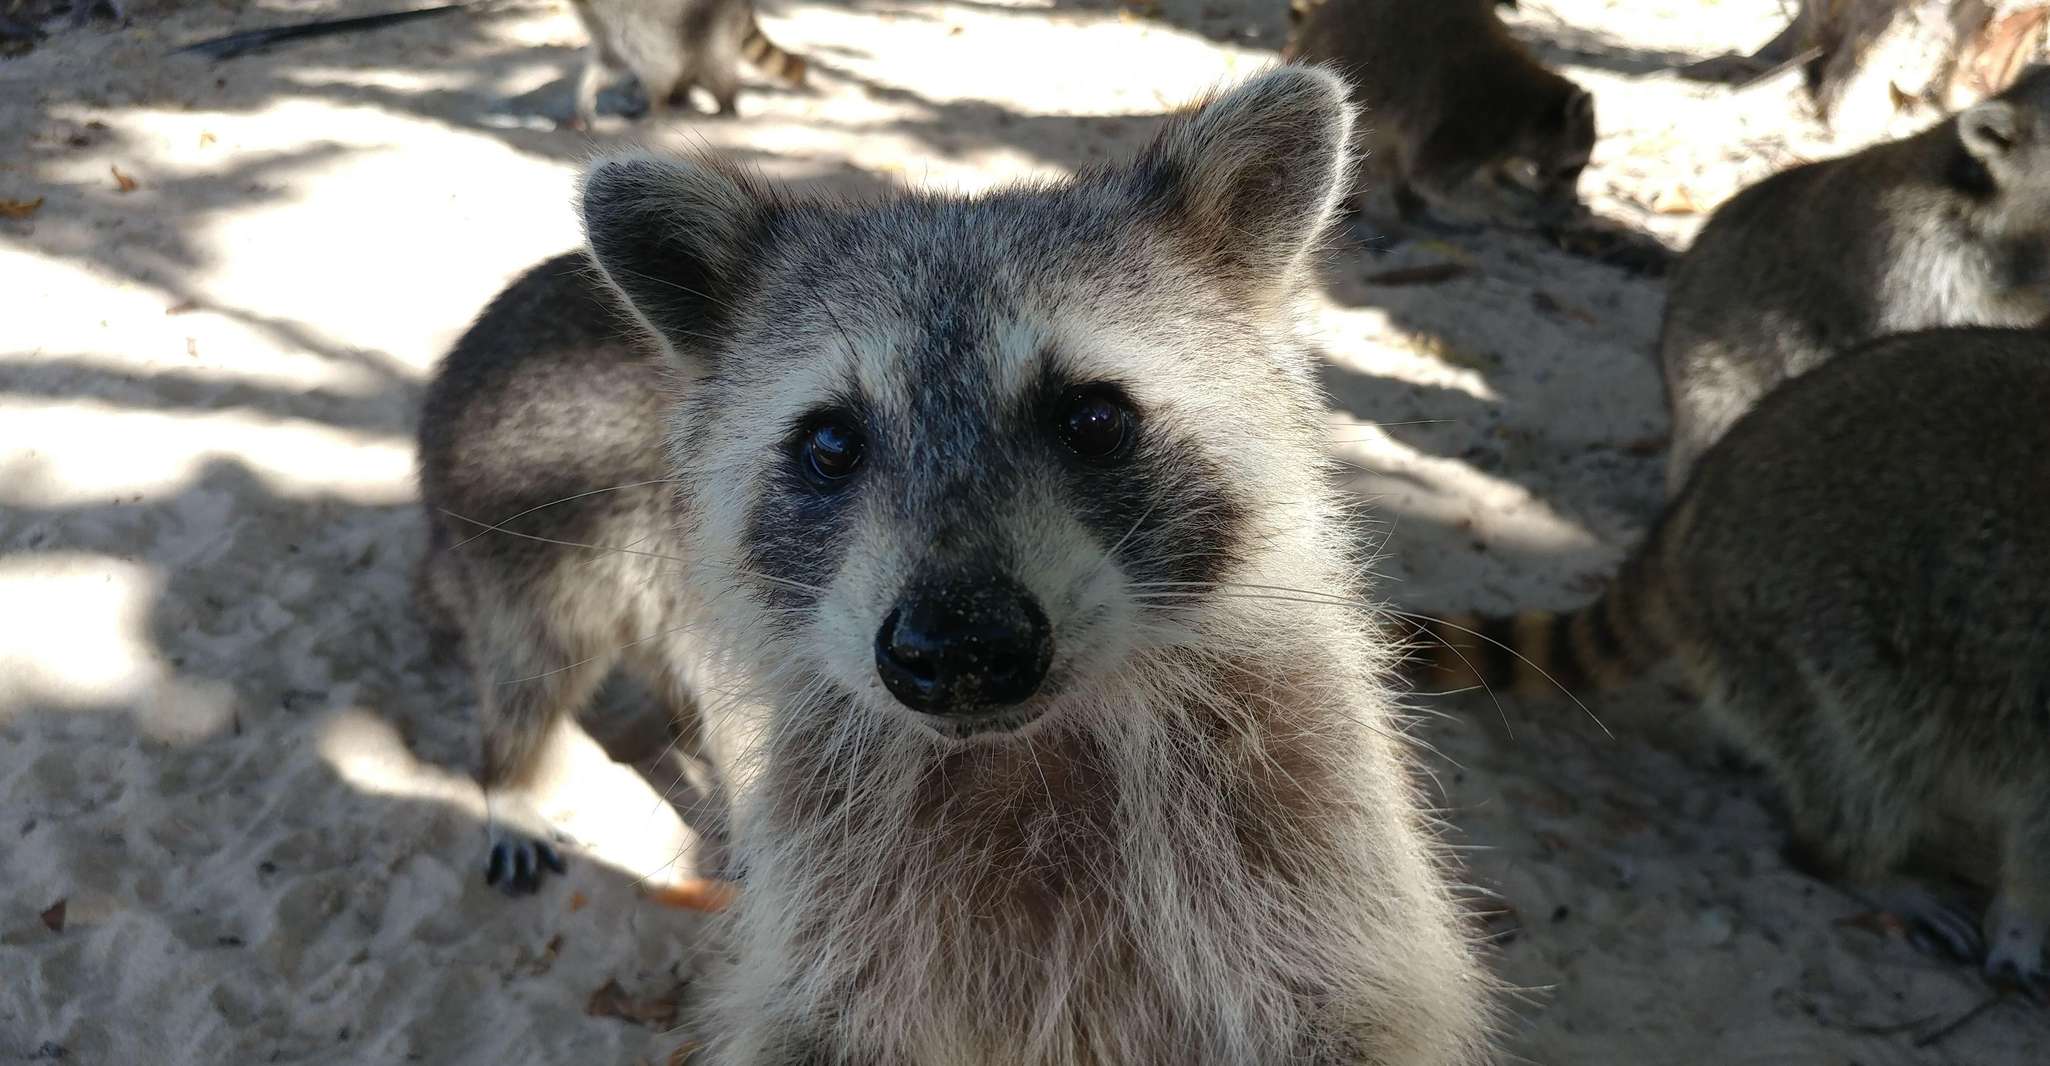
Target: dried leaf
(122,181)
(612,1001)
(20,208)
(1550,304)
(182,307)
(577,902)
(205,138)
(1675,200)
(1428,274)
(697,894)
(1883,923)
(53,919)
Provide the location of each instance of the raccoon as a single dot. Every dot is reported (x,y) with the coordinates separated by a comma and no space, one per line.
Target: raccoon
(671,45)
(550,533)
(1461,119)
(1949,227)
(1854,582)
(970,501)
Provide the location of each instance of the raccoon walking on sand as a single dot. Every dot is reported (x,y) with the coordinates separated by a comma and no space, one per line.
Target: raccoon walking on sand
(671,45)
(974,499)
(1950,227)
(1856,582)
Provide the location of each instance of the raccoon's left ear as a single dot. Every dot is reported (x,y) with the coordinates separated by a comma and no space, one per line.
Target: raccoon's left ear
(675,237)
(1253,178)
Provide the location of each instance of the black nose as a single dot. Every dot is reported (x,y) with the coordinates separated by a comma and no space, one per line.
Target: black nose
(964,647)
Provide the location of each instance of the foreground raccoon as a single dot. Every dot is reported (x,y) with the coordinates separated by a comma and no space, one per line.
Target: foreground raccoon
(671,45)
(1949,227)
(1460,117)
(974,498)
(1856,580)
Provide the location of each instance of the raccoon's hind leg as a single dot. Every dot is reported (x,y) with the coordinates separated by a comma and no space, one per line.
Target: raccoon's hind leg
(1853,823)
(530,687)
(2018,922)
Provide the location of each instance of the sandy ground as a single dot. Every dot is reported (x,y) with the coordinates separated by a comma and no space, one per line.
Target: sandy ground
(235,818)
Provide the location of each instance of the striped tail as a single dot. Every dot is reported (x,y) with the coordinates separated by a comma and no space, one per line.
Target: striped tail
(773,61)
(1539,653)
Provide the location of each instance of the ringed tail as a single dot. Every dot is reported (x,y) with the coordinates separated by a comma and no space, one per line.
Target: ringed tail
(1534,654)
(771,59)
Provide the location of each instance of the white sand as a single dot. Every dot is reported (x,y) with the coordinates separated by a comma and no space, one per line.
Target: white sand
(224,750)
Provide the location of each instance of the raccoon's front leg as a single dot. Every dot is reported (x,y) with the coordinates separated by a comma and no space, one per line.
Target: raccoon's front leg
(528,688)
(2018,922)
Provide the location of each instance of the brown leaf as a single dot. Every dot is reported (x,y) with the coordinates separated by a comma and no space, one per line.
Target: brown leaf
(612,1001)
(1428,274)
(577,901)
(1883,923)
(20,208)
(1550,304)
(1675,200)
(53,919)
(122,181)
(696,894)
(182,307)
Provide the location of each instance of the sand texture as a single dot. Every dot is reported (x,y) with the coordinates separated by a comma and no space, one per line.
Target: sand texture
(236,818)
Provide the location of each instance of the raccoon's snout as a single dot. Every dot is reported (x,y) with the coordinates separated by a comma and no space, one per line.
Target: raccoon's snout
(964,647)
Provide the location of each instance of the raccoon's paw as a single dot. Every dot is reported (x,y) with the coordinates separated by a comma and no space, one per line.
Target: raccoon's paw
(516,862)
(2016,940)
(1936,925)
(521,844)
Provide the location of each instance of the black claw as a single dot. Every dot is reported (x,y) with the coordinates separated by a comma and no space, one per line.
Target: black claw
(550,858)
(1946,934)
(494,866)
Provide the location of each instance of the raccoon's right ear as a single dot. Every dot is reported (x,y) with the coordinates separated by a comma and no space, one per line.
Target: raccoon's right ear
(674,237)
(1989,130)
(1253,178)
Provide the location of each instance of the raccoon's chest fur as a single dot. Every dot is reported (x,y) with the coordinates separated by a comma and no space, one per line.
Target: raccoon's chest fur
(1058,900)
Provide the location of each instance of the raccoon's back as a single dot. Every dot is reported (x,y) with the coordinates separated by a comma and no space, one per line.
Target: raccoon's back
(1785,272)
(1885,522)
(549,394)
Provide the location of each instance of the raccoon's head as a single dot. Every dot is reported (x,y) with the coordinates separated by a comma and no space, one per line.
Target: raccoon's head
(961,462)
(2006,163)
(1512,159)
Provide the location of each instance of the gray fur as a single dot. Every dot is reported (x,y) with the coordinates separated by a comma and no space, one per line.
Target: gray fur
(1459,116)
(671,45)
(546,397)
(1200,841)
(1948,227)
(1856,580)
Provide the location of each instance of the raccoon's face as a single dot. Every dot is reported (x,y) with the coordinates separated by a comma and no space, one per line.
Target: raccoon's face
(2008,138)
(1550,153)
(1509,167)
(965,462)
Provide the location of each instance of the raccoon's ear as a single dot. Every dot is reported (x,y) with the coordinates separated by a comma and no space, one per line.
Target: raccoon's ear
(1989,130)
(674,237)
(1579,109)
(1252,179)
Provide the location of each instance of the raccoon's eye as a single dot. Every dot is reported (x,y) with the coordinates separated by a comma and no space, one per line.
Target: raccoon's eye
(831,451)
(1096,423)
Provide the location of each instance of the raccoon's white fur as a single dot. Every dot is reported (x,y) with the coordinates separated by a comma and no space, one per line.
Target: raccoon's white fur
(1199,840)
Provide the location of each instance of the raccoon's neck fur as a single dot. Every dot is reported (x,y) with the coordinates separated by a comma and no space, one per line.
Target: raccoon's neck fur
(1949,263)
(1173,869)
